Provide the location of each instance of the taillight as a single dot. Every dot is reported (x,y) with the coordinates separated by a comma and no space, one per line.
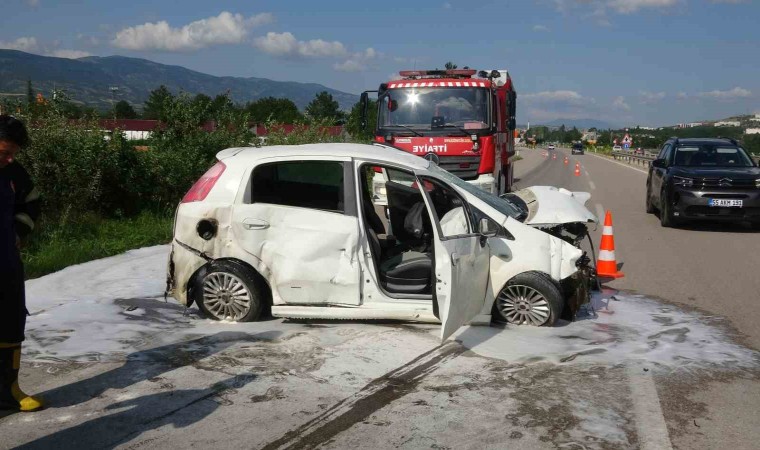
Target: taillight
(203,186)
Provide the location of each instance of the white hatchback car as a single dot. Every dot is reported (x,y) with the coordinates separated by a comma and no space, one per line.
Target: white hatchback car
(293,230)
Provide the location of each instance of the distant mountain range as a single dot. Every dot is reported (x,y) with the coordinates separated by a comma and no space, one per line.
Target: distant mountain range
(580,124)
(88,80)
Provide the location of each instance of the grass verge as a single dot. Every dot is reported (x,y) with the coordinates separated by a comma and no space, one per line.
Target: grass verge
(90,237)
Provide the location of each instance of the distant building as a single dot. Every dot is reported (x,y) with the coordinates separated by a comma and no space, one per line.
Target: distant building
(752,131)
(755,118)
(689,125)
(728,123)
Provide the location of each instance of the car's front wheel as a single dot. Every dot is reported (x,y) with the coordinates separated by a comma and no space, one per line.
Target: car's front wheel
(228,291)
(666,211)
(650,206)
(530,298)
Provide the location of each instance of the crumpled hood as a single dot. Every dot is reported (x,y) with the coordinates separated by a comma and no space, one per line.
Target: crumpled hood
(550,206)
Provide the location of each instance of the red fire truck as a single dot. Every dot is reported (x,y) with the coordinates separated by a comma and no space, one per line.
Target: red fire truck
(463,122)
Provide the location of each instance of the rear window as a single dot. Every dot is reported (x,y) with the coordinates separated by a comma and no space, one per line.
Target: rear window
(577,146)
(305,184)
(711,156)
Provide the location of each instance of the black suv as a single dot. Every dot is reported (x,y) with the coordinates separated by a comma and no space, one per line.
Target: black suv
(577,148)
(704,179)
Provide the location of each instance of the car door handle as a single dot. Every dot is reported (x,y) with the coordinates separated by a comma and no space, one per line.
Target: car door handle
(255,224)
(454,259)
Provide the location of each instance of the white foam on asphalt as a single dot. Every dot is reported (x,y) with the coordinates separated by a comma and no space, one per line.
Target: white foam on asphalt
(78,315)
(627,329)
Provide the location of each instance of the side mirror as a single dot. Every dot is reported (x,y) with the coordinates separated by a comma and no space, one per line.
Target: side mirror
(392,105)
(660,164)
(363,106)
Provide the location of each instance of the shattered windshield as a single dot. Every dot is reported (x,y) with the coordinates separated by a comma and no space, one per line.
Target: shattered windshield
(420,108)
(502,205)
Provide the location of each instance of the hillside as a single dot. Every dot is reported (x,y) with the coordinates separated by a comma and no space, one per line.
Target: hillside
(580,124)
(87,80)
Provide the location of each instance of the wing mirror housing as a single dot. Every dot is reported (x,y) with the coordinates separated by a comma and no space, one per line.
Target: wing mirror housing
(660,163)
(487,227)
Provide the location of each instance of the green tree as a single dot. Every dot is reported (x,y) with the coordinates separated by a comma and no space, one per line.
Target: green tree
(354,126)
(157,103)
(277,110)
(325,108)
(123,110)
(573,135)
(29,94)
(450,66)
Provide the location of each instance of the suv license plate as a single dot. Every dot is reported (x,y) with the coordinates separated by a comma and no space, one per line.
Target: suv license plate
(726,202)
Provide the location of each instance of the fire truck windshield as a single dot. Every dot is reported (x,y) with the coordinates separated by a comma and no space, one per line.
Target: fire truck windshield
(429,108)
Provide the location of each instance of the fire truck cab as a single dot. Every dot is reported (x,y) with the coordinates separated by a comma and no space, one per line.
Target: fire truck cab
(464,123)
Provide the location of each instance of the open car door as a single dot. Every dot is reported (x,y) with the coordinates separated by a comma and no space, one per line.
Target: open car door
(462,257)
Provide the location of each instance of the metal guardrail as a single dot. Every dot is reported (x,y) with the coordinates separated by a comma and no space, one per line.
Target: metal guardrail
(645,158)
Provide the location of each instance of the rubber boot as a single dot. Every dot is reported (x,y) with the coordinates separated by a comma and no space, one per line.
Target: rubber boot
(11,396)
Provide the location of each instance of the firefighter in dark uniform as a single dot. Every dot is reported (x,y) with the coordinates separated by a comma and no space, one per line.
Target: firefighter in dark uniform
(19,207)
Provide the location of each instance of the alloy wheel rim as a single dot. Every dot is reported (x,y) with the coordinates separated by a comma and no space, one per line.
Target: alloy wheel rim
(226,297)
(520,304)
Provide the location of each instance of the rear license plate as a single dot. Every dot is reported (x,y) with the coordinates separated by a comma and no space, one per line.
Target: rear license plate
(726,202)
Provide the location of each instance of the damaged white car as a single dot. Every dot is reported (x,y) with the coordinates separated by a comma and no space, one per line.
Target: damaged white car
(292,230)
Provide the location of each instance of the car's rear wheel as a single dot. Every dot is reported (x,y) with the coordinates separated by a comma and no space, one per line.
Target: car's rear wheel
(228,291)
(530,298)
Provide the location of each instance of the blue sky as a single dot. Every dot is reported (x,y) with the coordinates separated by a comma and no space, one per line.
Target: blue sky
(648,62)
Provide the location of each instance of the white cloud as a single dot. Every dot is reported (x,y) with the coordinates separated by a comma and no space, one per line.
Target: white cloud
(89,40)
(70,54)
(350,65)
(357,62)
(730,94)
(632,6)
(554,96)
(25,44)
(540,28)
(619,103)
(682,96)
(597,9)
(651,97)
(285,44)
(226,28)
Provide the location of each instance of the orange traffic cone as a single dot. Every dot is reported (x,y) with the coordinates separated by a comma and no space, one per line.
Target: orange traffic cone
(607,265)
(554,156)
(567,161)
(577,169)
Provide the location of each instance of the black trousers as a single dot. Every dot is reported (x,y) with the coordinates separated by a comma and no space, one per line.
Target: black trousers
(12,305)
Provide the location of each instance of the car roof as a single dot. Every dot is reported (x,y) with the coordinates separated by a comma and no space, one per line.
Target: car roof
(377,152)
(695,141)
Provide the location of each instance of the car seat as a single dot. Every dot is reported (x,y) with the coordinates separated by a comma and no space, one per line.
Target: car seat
(405,271)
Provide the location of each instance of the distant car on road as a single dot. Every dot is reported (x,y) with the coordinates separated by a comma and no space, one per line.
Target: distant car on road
(704,179)
(617,148)
(551,147)
(577,149)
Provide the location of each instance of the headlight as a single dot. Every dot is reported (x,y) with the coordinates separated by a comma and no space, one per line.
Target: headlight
(685,182)
(380,190)
(757,183)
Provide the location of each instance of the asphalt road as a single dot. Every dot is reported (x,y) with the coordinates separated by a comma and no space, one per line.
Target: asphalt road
(641,373)
(712,267)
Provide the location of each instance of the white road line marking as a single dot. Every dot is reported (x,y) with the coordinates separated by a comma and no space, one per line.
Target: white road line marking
(650,423)
(591,183)
(599,211)
(621,164)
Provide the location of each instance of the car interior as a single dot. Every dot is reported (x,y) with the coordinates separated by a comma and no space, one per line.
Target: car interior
(402,245)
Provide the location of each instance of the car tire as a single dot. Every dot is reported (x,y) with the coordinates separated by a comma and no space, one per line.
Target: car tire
(228,291)
(666,214)
(650,206)
(530,298)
